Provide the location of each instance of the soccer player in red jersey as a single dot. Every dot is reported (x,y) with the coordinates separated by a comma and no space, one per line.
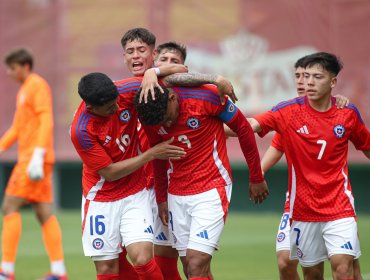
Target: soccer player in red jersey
(199,186)
(287,267)
(139,53)
(104,133)
(315,135)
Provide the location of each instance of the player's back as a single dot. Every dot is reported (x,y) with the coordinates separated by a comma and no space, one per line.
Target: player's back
(201,134)
(33,99)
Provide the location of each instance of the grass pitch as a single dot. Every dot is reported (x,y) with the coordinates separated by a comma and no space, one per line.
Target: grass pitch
(247,248)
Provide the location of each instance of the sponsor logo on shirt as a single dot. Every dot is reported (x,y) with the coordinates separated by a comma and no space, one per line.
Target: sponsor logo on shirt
(193,123)
(280,237)
(162,131)
(107,140)
(125,116)
(303,130)
(98,243)
(339,131)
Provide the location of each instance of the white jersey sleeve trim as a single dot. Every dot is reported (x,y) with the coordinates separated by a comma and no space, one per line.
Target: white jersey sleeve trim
(225,175)
(292,192)
(94,190)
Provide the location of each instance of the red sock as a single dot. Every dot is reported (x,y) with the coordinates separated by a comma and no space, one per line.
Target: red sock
(168,267)
(107,277)
(126,270)
(149,271)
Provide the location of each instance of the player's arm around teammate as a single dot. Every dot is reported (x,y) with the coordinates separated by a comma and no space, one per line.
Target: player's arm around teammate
(104,134)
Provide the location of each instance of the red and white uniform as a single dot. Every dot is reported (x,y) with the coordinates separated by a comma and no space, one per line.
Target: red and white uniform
(199,130)
(199,184)
(102,141)
(145,145)
(316,147)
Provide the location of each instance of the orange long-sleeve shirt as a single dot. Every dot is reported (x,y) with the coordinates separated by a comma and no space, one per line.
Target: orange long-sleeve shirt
(33,120)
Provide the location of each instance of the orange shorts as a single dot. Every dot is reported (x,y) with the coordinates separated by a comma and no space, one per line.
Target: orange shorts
(20,185)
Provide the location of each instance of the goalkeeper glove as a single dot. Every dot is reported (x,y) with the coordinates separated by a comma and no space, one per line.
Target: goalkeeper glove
(35,169)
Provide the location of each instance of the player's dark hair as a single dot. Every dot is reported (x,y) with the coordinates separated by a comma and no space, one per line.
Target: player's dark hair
(19,56)
(328,61)
(299,62)
(97,89)
(141,34)
(173,46)
(154,111)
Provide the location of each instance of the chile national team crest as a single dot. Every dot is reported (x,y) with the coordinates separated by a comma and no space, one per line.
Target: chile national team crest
(98,243)
(231,108)
(339,131)
(193,123)
(280,237)
(125,116)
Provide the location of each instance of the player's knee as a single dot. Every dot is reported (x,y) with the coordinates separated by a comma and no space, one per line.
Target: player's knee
(343,270)
(287,267)
(106,267)
(141,259)
(9,208)
(198,264)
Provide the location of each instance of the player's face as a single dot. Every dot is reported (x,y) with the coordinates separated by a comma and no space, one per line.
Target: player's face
(318,82)
(106,110)
(299,81)
(138,57)
(167,56)
(173,110)
(17,71)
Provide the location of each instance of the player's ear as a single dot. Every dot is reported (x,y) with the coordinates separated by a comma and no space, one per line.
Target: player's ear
(171,96)
(154,53)
(333,82)
(124,58)
(89,108)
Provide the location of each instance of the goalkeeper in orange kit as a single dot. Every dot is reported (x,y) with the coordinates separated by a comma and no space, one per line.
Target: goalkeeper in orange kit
(31,178)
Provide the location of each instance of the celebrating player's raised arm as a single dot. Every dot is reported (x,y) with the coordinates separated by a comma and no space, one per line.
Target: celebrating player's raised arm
(193,80)
(150,79)
(197,79)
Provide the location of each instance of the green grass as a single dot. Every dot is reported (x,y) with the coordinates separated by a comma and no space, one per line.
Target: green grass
(247,248)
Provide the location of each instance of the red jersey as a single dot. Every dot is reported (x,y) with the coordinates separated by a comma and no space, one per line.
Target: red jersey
(144,145)
(199,130)
(101,141)
(316,147)
(277,144)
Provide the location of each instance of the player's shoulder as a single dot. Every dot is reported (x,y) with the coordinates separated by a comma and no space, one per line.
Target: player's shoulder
(289,104)
(203,94)
(351,108)
(128,85)
(81,127)
(35,82)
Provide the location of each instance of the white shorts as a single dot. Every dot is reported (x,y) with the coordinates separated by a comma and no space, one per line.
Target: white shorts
(282,237)
(197,221)
(161,233)
(313,243)
(108,225)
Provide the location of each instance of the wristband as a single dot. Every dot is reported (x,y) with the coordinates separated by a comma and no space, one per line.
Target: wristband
(157,71)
